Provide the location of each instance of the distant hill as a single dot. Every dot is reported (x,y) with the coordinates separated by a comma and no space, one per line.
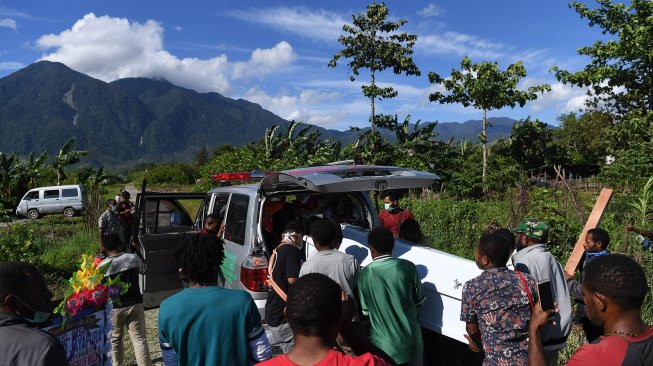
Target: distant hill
(139,119)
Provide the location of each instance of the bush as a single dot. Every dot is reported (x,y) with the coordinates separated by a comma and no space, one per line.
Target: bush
(177,173)
(455,226)
(63,256)
(18,243)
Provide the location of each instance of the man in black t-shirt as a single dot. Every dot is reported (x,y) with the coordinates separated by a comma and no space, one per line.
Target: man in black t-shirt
(285,263)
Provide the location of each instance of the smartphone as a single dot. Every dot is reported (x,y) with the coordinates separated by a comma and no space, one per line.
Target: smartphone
(546,295)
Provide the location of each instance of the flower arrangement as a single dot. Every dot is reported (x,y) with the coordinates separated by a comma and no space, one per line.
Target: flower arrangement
(89,288)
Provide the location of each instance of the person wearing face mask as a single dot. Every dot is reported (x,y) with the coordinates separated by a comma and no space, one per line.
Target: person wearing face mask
(283,270)
(109,221)
(392,216)
(24,304)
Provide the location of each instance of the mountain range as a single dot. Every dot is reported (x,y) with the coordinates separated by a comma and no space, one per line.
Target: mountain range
(138,119)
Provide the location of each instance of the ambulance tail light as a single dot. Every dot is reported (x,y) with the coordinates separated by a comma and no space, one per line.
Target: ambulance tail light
(254,273)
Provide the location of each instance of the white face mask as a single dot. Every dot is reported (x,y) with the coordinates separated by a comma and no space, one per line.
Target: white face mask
(387,206)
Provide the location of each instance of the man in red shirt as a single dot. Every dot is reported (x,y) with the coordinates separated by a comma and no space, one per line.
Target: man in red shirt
(614,288)
(392,216)
(315,312)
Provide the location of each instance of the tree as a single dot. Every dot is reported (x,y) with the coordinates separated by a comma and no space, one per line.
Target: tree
(584,137)
(620,75)
(485,87)
(532,144)
(66,156)
(373,43)
(9,165)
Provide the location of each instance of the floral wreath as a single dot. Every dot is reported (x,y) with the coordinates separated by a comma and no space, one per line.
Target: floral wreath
(89,288)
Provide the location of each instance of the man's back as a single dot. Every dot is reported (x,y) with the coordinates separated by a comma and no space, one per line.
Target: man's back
(128,266)
(209,325)
(333,358)
(340,267)
(390,291)
(498,301)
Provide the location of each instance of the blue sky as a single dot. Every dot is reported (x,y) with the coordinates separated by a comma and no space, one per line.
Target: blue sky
(275,53)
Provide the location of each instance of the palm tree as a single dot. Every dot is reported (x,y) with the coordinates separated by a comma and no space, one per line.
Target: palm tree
(8,173)
(66,156)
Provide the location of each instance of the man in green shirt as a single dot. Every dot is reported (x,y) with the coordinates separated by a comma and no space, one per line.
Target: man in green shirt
(390,292)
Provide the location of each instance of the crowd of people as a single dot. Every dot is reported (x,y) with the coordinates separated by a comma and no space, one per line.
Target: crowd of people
(327,310)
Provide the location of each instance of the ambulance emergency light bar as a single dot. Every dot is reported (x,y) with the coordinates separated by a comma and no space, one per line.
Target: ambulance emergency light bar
(239,176)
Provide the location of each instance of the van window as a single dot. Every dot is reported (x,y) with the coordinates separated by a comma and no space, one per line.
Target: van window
(69,192)
(237,218)
(220,204)
(34,195)
(51,194)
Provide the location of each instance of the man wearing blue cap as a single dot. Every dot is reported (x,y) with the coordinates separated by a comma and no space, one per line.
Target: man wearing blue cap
(534,258)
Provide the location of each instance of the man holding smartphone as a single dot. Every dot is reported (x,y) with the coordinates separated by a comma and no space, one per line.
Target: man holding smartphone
(534,258)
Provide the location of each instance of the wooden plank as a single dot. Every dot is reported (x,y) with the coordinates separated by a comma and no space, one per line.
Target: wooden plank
(592,222)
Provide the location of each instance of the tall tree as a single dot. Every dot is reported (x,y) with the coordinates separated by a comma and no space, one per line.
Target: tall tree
(66,156)
(484,86)
(531,144)
(585,137)
(374,44)
(620,75)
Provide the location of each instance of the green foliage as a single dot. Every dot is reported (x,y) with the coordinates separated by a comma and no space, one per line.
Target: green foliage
(245,158)
(62,256)
(630,167)
(298,148)
(630,142)
(455,226)
(584,137)
(532,144)
(18,243)
(643,206)
(484,86)
(374,44)
(175,173)
(66,156)
(555,208)
(371,148)
(622,61)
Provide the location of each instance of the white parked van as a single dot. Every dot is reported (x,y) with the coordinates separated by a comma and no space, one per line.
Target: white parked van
(67,200)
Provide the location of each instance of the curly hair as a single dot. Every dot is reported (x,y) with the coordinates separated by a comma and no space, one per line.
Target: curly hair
(381,240)
(495,248)
(314,304)
(618,277)
(199,256)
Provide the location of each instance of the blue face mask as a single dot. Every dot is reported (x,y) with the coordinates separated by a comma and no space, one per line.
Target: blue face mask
(589,255)
(39,317)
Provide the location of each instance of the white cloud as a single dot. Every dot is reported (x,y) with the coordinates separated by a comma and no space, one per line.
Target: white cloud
(8,23)
(177,28)
(460,44)
(10,65)
(265,61)
(432,10)
(562,98)
(317,107)
(111,48)
(315,24)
